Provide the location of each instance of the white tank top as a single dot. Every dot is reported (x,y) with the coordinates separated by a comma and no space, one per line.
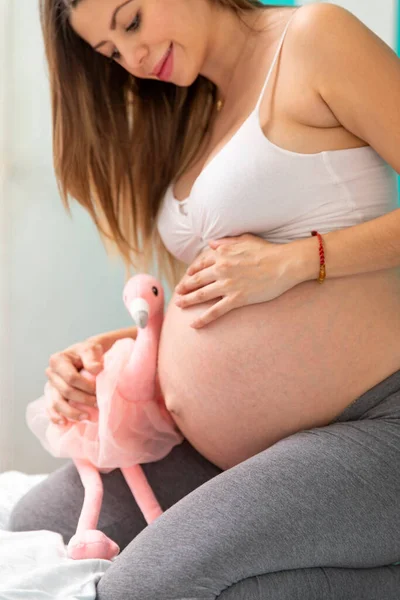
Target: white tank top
(253,186)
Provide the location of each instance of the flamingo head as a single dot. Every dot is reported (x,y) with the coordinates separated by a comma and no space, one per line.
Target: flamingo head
(144,298)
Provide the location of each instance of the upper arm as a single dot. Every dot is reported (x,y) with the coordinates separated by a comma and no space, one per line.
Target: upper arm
(356,74)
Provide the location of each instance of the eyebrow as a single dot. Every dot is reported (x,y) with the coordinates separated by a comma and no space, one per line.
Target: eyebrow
(113,23)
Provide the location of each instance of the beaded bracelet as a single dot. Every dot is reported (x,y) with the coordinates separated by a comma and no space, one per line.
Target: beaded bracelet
(322,269)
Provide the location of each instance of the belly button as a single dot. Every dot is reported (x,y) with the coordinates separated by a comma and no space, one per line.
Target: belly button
(171,405)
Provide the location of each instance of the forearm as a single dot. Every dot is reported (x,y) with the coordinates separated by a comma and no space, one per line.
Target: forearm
(367,247)
(110,337)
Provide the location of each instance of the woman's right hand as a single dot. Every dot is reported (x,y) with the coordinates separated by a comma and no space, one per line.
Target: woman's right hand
(66,383)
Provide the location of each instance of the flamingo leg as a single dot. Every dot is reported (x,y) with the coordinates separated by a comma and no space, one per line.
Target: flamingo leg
(88,542)
(142,492)
(93,499)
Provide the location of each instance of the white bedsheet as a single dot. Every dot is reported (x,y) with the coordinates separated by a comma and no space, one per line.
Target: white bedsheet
(34,565)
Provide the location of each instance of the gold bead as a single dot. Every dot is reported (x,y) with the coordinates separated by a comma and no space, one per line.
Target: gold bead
(219,105)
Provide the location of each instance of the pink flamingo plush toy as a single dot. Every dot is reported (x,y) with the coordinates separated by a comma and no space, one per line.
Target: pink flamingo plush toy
(130,425)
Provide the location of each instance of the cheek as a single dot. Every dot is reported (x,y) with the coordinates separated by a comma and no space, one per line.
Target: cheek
(162,21)
(176,21)
(186,68)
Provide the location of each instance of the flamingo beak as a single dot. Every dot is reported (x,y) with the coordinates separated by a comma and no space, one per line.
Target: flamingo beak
(139,311)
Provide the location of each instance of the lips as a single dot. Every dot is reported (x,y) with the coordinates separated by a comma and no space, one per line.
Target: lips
(159,66)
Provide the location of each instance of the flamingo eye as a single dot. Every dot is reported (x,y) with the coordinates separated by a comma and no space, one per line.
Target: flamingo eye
(155,291)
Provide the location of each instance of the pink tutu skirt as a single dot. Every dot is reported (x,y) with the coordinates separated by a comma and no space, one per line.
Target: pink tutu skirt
(117,434)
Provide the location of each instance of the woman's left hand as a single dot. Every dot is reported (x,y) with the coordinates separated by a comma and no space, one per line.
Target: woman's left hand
(239,270)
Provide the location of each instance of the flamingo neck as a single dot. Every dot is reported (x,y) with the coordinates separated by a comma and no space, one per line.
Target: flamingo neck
(138,379)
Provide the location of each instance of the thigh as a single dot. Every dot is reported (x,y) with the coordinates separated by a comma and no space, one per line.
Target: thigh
(56,503)
(326,497)
(319,583)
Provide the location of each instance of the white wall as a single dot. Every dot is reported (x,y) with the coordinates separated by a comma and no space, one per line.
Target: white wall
(6,409)
(57,286)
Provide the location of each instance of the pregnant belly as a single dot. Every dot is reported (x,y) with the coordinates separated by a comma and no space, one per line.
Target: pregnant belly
(265,371)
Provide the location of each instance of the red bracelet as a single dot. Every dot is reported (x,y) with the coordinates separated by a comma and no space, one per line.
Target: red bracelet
(322,269)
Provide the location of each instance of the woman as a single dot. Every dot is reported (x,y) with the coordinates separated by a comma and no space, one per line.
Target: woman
(221,133)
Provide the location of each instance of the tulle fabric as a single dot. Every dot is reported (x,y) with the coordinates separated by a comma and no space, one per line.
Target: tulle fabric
(118,434)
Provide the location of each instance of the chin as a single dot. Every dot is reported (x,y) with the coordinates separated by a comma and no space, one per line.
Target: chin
(184,80)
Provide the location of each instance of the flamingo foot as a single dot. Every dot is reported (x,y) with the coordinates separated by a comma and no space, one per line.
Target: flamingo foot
(92,544)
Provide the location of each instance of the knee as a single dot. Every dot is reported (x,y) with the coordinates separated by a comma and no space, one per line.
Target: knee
(32,513)
(158,565)
(29,514)
(41,508)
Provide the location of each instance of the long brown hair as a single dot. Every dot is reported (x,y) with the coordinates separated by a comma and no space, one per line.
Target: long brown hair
(119,141)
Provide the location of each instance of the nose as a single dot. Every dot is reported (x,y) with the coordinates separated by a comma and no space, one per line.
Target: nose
(135,58)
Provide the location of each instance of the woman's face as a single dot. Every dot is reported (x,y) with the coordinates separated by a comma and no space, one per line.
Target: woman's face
(144,32)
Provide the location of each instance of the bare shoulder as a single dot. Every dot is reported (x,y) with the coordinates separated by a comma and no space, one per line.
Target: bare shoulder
(327,37)
(320,19)
(298,99)
(308,39)
(320,28)
(354,71)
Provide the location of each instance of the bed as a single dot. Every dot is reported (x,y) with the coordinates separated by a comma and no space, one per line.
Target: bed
(34,564)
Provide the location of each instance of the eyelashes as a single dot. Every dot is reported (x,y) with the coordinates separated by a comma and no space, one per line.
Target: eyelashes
(134,26)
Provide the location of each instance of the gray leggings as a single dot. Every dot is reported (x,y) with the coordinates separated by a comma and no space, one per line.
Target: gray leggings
(316,516)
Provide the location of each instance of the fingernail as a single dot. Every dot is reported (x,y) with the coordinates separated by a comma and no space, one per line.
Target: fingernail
(83,417)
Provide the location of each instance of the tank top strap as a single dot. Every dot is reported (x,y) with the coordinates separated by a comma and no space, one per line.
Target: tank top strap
(264,87)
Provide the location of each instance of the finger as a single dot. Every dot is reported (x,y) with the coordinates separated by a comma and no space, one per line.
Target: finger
(63,408)
(196,281)
(203,262)
(213,313)
(67,372)
(67,355)
(92,358)
(55,417)
(68,392)
(214,244)
(206,293)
